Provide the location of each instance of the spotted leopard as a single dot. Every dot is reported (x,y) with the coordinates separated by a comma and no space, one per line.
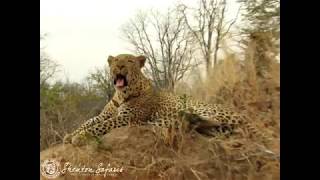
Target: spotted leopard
(137,102)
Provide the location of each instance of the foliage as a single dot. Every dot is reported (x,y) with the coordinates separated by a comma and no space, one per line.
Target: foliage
(262,16)
(65,105)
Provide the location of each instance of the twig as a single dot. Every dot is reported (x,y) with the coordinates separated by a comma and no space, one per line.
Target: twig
(195,174)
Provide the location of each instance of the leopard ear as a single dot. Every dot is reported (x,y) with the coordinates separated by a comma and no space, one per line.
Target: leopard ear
(110,59)
(141,60)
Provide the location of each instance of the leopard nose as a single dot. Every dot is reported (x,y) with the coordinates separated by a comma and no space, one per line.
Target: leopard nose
(121,67)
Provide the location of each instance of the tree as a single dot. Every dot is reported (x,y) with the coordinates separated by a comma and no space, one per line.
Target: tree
(262,32)
(262,16)
(164,40)
(208,26)
(48,67)
(100,81)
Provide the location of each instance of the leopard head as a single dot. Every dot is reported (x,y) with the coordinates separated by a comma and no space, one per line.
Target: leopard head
(126,73)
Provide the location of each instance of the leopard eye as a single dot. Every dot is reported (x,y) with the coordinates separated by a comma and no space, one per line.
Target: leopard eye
(130,61)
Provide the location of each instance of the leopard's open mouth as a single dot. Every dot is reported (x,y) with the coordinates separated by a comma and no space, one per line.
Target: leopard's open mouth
(120,81)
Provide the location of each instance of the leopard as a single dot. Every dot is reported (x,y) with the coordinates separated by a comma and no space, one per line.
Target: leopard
(137,101)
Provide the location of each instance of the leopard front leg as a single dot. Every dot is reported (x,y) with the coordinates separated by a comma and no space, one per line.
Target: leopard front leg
(68,137)
(96,131)
(109,111)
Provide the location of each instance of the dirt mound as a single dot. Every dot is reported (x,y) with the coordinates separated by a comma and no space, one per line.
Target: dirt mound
(150,153)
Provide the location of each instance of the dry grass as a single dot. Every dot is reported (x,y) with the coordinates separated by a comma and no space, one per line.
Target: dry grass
(146,154)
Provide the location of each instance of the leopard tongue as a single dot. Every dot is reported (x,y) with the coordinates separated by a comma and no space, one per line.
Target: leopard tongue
(120,82)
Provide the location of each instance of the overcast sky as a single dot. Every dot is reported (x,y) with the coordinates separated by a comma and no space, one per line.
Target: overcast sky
(83,33)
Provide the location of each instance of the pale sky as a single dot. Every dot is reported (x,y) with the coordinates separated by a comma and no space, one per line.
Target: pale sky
(83,33)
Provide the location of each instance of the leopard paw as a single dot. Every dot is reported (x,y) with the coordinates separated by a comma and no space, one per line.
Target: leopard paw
(79,140)
(67,139)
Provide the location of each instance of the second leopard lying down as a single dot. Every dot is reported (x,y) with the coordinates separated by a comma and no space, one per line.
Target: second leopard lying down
(136,101)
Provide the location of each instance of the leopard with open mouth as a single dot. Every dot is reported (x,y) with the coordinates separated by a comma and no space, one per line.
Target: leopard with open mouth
(137,101)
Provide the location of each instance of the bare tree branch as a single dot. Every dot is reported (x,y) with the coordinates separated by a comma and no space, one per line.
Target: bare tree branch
(209,28)
(169,52)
